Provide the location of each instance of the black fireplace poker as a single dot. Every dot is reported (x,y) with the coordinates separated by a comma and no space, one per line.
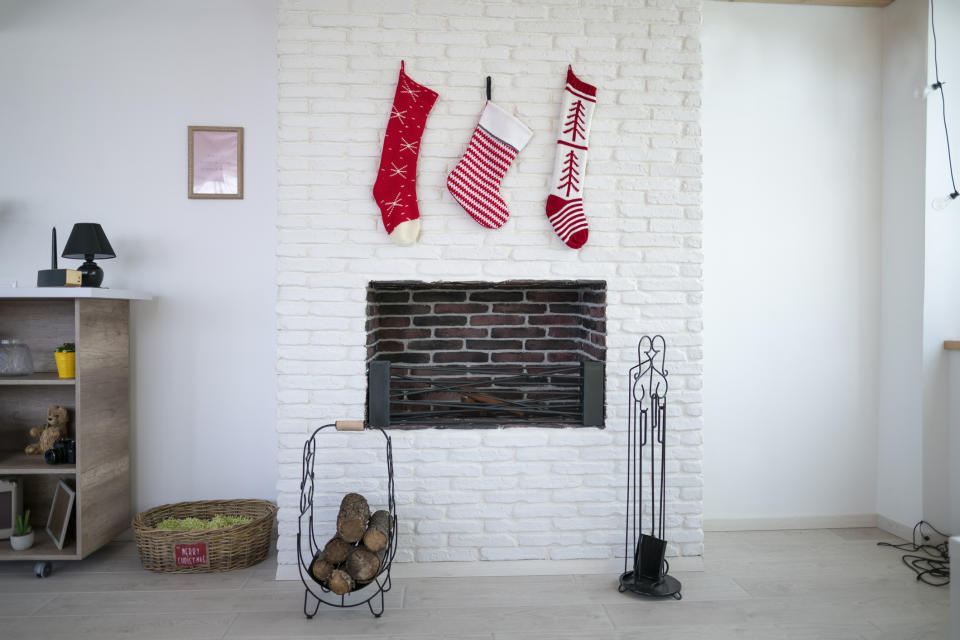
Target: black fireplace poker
(646,440)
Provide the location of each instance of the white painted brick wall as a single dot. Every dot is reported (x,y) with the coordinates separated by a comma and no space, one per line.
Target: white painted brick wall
(488,495)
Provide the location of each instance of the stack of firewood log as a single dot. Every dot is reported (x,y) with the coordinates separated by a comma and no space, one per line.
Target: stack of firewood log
(353,557)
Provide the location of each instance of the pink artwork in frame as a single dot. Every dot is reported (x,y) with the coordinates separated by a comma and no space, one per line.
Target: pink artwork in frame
(215,162)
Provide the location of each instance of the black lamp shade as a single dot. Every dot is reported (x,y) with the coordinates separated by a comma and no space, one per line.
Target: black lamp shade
(88,238)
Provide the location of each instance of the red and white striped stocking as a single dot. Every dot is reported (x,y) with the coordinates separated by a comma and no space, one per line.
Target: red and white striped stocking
(565,202)
(395,190)
(475,181)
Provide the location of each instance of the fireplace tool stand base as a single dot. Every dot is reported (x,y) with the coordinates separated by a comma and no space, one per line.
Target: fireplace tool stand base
(664,587)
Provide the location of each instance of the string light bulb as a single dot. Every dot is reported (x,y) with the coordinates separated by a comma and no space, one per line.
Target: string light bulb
(943,202)
(924,93)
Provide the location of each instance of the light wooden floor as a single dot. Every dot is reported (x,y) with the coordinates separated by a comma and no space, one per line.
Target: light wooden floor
(817,585)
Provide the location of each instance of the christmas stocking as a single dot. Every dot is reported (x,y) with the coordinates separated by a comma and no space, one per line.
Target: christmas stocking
(565,202)
(396,187)
(475,181)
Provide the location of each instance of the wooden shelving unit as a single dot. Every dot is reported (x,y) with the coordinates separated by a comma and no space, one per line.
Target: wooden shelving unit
(43,379)
(98,399)
(20,464)
(42,549)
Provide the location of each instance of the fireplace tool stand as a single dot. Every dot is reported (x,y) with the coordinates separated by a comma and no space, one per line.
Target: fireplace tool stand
(316,592)
(646,442)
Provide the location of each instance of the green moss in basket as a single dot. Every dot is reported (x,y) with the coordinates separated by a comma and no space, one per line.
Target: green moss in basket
(197,524)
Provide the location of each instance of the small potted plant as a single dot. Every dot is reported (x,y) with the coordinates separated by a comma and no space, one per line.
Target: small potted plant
(66,360)
(22,538)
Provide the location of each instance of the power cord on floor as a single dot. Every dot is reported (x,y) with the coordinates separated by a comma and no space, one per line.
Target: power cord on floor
(933,568)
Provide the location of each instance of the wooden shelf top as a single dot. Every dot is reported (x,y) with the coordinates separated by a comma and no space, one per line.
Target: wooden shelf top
(42,549)
(951,345)
(71,292)
(42,379)
(19,463)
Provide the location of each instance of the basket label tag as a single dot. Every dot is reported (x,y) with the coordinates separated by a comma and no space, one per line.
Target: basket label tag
(192,555)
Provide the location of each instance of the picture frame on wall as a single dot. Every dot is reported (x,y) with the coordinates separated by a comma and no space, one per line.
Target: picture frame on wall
(61,509)
(215,162)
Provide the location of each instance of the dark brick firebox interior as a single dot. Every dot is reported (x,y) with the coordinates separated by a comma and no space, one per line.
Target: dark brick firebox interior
(486,355)
(518,321)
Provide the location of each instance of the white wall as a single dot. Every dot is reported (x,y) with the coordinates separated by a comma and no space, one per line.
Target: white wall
(513,494)
(954,592)
(96,99)
(899,478)
(791,121)
(953,441)
(941,301)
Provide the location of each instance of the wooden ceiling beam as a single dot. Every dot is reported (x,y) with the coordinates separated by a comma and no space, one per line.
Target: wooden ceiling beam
(832,3)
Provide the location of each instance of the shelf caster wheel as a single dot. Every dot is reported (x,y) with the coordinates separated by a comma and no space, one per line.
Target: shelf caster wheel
(43,569)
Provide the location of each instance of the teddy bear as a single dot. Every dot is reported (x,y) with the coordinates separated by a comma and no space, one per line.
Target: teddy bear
(56,428)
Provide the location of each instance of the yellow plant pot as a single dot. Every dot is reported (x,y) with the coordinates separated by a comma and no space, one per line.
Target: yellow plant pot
(66,364)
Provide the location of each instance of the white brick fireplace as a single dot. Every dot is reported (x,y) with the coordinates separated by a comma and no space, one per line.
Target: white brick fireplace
(489,495)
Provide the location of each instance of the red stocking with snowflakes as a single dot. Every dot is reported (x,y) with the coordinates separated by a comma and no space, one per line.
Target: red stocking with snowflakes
(565,202)
(395,190)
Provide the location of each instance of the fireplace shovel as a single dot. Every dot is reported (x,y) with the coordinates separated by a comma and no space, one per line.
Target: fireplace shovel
(648,560)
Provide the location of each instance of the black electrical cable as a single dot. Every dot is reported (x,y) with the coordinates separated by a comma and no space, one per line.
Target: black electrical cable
(933,568)
(943,103)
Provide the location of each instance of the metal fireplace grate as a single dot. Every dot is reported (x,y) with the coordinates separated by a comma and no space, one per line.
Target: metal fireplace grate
(485,395)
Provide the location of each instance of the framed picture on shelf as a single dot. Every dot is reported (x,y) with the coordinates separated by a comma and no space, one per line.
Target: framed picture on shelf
(61,508)
(11,504)
(215,162)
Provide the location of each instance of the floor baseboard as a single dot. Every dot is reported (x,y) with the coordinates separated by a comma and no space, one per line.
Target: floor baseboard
(612,566)
(898,529)
(799,522)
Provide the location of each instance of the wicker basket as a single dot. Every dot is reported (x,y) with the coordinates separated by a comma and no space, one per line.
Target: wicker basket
(208,550)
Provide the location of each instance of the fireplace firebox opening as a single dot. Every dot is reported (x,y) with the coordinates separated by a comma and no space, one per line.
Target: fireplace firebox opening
(483,354)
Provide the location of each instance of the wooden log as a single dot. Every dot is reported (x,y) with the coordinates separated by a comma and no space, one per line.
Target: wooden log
(320,568)
(378,531)
(337,550)
(340,582)
(479,398)
(353,517)
(363,565)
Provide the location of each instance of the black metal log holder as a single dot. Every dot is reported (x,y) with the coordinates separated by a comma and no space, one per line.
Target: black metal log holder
(308,547)
(646,440)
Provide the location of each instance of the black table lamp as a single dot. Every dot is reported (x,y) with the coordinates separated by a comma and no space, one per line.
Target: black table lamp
(88,242)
